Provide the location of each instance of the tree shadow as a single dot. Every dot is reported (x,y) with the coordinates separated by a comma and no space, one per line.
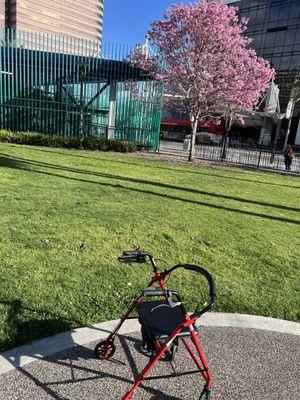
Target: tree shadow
(66,359)
(73,358)
(24,331)
(24,167)
(160,167)
(9,162)
(76,363)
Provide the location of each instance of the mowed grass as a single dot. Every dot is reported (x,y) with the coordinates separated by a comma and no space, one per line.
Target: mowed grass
(67,215)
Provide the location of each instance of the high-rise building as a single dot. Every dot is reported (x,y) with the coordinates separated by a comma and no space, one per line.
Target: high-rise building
(274,26)
(82,19)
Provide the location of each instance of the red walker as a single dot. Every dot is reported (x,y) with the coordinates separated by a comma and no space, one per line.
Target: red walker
(163,323)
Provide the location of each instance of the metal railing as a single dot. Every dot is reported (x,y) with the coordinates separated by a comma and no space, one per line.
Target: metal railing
(256,156)
(65,86)
(143,138)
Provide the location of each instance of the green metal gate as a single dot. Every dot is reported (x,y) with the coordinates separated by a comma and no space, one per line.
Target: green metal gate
(74,87)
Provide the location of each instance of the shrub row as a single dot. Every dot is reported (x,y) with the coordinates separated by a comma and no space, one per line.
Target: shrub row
(89,143)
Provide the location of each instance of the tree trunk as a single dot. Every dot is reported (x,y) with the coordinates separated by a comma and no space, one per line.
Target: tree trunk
(194,125)
(224,145)
(287,134)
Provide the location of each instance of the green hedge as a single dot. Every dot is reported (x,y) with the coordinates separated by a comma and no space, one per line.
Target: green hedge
(89,143)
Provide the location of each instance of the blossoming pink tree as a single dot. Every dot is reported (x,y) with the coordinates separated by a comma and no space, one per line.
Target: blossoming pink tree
(203,55)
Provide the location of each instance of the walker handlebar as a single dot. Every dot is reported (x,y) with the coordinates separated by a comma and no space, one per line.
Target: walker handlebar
(209,279)
(140,257)
(135,256)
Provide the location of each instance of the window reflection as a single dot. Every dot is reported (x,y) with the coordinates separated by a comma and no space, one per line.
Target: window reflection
(270,39)
(276,62)
(280,36)
(295,9)
(274,13)
(260,17)
(284,11)
(285,63)
(282,47)
(295,61)
(297,38)
(289,37)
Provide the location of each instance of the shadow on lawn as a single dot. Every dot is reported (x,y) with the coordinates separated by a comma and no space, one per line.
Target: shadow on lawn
(22,331)
(9,162)
(23,165)
(188,171)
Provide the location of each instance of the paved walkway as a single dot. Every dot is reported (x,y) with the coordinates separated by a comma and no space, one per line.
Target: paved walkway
(247,364)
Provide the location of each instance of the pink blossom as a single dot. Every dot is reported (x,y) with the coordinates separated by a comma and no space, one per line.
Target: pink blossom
(204,56)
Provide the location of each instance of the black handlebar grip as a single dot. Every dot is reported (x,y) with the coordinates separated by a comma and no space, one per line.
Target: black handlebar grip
(130,257)
(154,292)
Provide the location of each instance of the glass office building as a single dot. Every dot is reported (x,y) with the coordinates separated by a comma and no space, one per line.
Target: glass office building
(274,26)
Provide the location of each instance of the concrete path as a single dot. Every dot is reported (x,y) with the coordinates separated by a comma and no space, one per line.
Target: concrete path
(247,363)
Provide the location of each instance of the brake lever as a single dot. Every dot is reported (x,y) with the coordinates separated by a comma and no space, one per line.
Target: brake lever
(172,304)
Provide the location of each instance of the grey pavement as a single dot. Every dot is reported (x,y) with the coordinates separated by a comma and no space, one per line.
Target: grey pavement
(246,364)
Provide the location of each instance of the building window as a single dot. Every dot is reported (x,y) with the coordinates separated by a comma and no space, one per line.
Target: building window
(285,63)
(270,39)
(280,37)
(295,62)
(289,37)
(274,14)
(284,12)
(295,10)
(261,15)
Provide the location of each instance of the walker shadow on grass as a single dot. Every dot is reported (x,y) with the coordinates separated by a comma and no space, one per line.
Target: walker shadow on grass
(34,167)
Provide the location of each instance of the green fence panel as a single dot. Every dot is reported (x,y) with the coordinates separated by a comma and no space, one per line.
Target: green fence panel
(74,87)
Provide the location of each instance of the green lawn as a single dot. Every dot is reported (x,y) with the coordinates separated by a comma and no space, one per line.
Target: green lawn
(66,216)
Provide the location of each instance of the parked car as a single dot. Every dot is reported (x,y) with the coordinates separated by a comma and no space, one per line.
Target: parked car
(173,135)
(206,137)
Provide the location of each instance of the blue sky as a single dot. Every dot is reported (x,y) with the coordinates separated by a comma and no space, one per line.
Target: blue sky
(127,21)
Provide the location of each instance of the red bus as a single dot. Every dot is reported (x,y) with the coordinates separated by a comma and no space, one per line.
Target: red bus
(178,129)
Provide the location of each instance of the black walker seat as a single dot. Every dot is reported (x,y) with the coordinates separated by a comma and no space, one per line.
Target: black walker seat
(164,323)
(160,320)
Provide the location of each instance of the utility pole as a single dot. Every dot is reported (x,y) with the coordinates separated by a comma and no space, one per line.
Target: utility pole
(289,116)
(275,141)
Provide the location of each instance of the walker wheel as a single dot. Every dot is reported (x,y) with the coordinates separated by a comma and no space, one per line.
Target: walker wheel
(104,350)
(205,395)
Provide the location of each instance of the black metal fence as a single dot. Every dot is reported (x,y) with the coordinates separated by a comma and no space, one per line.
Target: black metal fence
(249,153)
